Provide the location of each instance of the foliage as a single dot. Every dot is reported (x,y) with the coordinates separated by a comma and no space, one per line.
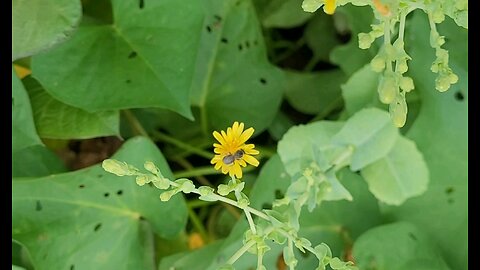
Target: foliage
(342,163)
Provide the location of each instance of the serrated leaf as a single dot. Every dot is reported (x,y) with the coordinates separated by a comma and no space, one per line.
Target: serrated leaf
(57,120)
(401,174)
(127,64)
(234,79)
(372,134)
(406,246)
(24,133)
(93,219)
(39,25)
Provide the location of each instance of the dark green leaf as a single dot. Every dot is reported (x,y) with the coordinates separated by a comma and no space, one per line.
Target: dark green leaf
(36,161)
(234,80)
(23,127)
(57,120)
(145,59)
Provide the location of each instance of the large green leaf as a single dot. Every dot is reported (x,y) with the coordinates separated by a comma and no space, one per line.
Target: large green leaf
(145,59)
(372,134)
(91,219)
(441,134)
(36,161)
(234,80)
(314,93)
(57,120)
(39,25)
(23,127)
(401,174)
(397,246)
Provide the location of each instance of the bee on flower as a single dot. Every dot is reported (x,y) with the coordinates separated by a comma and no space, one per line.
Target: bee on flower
(231,153)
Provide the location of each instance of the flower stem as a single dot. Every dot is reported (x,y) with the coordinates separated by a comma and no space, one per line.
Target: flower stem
(165,138)
(197,224)
(135,125)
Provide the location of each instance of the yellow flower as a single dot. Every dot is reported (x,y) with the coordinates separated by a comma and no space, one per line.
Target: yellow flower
(232,152)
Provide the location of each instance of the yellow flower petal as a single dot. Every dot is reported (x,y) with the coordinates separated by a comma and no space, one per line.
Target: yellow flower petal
(330,6)
(242,163)
(218,137)
(237,170)
(251,160)
(246,135)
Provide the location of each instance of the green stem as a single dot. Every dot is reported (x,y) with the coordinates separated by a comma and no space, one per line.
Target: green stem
(240,252)
(135,125)
(247,213)
(197,224)
(165,138)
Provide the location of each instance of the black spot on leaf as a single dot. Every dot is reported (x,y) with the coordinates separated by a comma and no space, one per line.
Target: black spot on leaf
(72,267)
(224,40)
(120,192)
(38,206)
(97,227)
(247,44)
(209,29)
(240,47)
(278,194)
(141,4)
(142,218)
(267,206)
(217,17)
(263,81)
(459,96)
(81,186)
(106,194)
(412,236)
(449,190)
(133,54)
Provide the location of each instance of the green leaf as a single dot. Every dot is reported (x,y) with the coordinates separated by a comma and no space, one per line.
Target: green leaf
(57,120)
(23,127)
(441,134)
(36,161)
(321,36)
(299,139)
(39,25)
(350,57)
(128,64)
(314,93)
(360,91)
(372,134)
(401,174)
(283,14)
(234,80)
(198,259)
(92,219)
(407,248)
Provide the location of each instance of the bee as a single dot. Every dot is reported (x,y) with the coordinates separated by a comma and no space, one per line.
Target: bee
(229,159)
